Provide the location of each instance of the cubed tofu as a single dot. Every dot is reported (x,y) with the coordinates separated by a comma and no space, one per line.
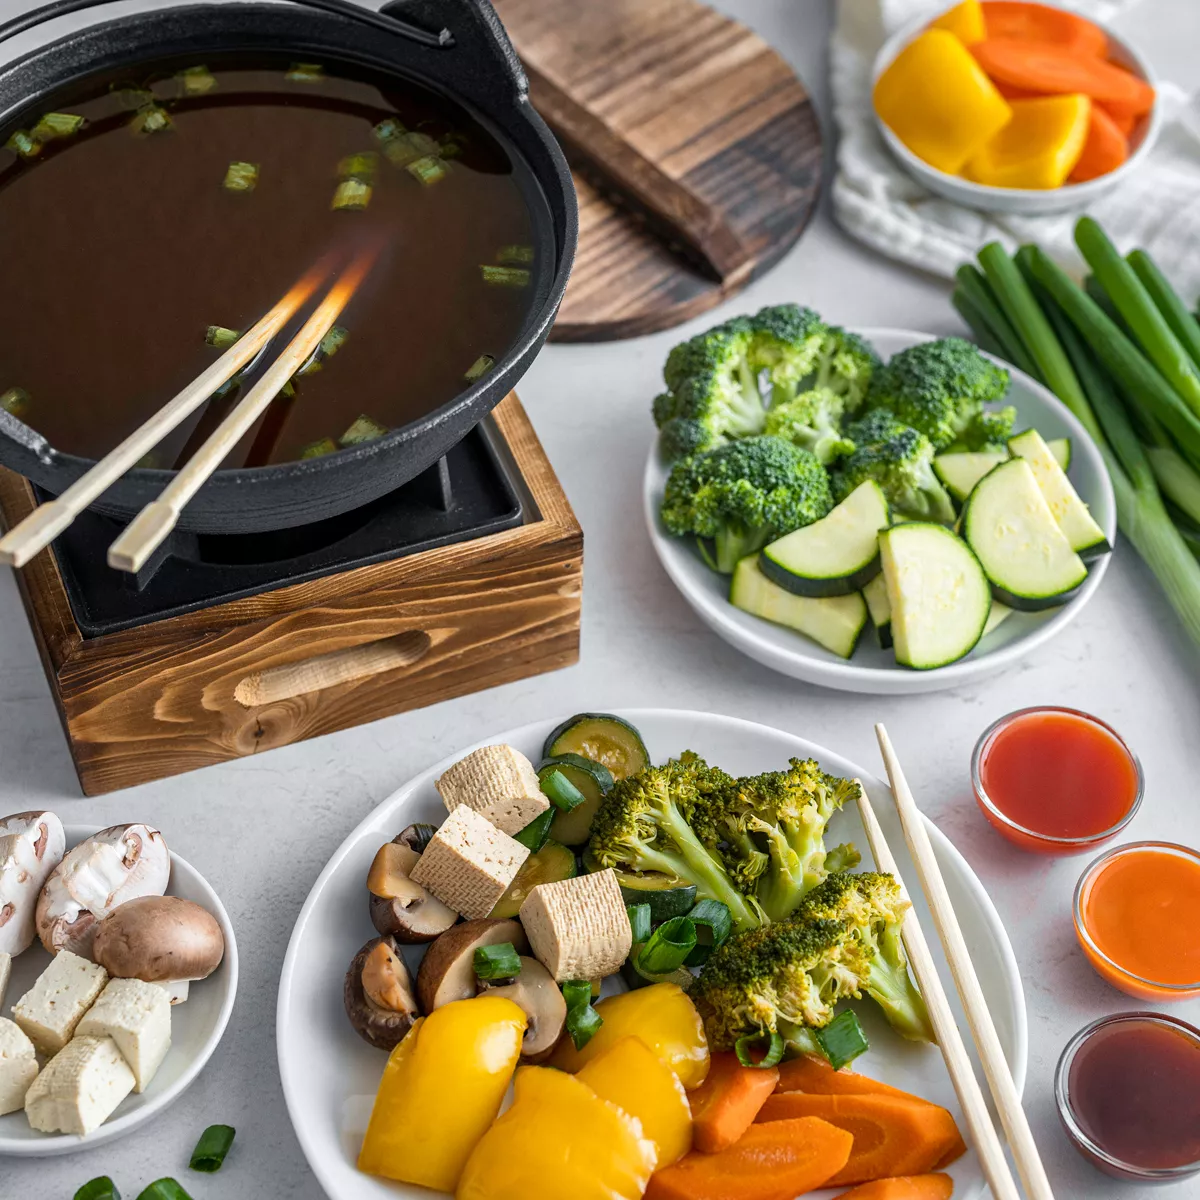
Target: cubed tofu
(137,1016)
(80,1087)
(5,975)
(18,1067)
(499,783)
(469,863)
(578,928)
(65,990)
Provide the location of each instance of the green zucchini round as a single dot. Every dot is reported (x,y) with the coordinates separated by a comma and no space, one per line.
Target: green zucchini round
(666,895)
(593,780)
(602,738)
(553,862)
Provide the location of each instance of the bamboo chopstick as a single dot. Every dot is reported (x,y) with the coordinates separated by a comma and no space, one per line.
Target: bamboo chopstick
(950,1042)
(146,532)
(48,520)
(991,1054)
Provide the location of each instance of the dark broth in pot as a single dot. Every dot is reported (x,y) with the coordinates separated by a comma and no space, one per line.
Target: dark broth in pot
(189,202)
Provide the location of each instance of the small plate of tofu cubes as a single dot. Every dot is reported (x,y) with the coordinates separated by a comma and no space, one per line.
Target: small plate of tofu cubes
(118,970)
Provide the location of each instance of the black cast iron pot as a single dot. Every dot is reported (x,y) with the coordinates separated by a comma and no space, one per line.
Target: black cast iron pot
(457,47)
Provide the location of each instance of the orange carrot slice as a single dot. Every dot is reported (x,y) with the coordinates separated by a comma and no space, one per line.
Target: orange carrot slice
(816,1076)
(1042,23)
(725,1104)
(903,1187)
(1105,150)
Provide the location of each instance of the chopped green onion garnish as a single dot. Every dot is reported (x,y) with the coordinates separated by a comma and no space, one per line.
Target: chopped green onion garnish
(534,834)
(842,1040)
(197,81)
(164,1189)
(333,341)
(497,962)
(219,337)
(577,993)
(582,1024)
(713,924)
(23,144)
(428,170)
(288,389)
(514,254)
(388,130)
(668,946)
(639,921)
(151,119)
(363,429)
(681,976)
(57,125)
(351,194)
(359,166)
(771,1044)
(406,148)
(479,368)
(563,793)
(228,387)
(211,1149)
(15,401)
(505,276)
(305,73)
(423,835)
(241,177)
(101,1188)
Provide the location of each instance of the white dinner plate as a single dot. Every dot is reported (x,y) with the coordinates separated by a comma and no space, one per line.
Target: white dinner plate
(330,1075)
(196,1028)
(872,669)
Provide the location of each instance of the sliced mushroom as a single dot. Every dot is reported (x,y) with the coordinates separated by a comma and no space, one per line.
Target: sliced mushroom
(378,994)
(159,939)
(447,971)
(31,846)
(536,992)
(104,871)
(400,908)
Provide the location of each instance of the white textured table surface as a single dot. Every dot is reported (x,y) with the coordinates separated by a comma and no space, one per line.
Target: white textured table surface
(262,829)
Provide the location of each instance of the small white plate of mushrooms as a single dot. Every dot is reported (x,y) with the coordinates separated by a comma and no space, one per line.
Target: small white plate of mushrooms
(137,953)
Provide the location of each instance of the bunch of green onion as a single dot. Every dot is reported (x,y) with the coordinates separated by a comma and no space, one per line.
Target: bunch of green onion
(1122,352)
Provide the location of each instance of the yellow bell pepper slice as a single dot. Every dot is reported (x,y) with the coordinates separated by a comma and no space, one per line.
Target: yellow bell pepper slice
(965,21)
(559,1141)
(936,99)
(441,1090)
(662,1016)
(630,1075)
(1038,148)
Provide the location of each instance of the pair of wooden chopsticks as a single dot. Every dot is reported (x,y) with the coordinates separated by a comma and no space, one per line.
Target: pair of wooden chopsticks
(970,1095)
(150,527)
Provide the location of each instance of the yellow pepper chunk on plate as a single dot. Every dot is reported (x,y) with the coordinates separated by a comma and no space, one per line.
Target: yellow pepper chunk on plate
(630,1075)
(558,1141)
(441,1090)
(965,21)
(1038,148)
(936,99)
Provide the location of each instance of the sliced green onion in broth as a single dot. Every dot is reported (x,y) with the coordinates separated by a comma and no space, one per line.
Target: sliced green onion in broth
(241,177)
(505,276)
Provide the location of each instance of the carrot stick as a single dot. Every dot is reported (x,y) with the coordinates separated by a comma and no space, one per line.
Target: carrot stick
(1057,71)
(725,1104)
(891,1136)
(952,1155)
(818,1078)
(771,1162)
(1124,121)
(1041,23)
(903,1187)
(1104,150)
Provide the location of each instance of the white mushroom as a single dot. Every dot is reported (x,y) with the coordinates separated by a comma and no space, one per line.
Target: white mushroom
(97,876)
(31,846)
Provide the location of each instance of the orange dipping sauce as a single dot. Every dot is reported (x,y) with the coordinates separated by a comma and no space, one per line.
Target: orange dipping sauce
(1137,910)
(1055,780)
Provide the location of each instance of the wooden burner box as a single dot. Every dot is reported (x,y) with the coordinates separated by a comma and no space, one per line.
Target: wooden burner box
(314,657)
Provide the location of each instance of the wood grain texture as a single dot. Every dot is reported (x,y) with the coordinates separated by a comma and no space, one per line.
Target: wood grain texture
(699,101)
(170,696)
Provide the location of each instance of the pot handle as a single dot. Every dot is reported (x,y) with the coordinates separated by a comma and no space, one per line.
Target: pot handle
(387,22)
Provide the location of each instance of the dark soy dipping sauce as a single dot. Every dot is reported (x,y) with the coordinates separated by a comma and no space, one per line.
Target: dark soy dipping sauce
(1134,1088)
(120,251)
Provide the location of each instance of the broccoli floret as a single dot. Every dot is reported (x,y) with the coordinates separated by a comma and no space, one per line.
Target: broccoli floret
(789,811)
(900,460)
(846,366)
(643,825)
(938,388)
(989,430)
(788,342)
(744,495)
(812,420)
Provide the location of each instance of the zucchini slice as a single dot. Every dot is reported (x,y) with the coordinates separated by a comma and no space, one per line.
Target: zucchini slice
(937,591)
(667,896)
(1086,537)
(594,780)
(875,594)
(1010,527)
(550,864)
(836,555)
(960,472)
(604,739)
(834,622)
(1061,449)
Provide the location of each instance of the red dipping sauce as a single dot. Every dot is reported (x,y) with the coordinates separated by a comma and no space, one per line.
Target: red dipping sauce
(1055,780)
(1128,1092)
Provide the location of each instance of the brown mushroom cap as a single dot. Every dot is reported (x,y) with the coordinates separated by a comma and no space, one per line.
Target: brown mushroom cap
(447,971)
(409,913)
(157,938)
(535,991)
(383,1028)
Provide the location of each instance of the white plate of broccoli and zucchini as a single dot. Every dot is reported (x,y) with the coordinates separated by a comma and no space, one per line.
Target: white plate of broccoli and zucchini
(876,511)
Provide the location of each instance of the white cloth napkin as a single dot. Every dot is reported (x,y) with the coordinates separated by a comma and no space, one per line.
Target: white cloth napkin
(875,200)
